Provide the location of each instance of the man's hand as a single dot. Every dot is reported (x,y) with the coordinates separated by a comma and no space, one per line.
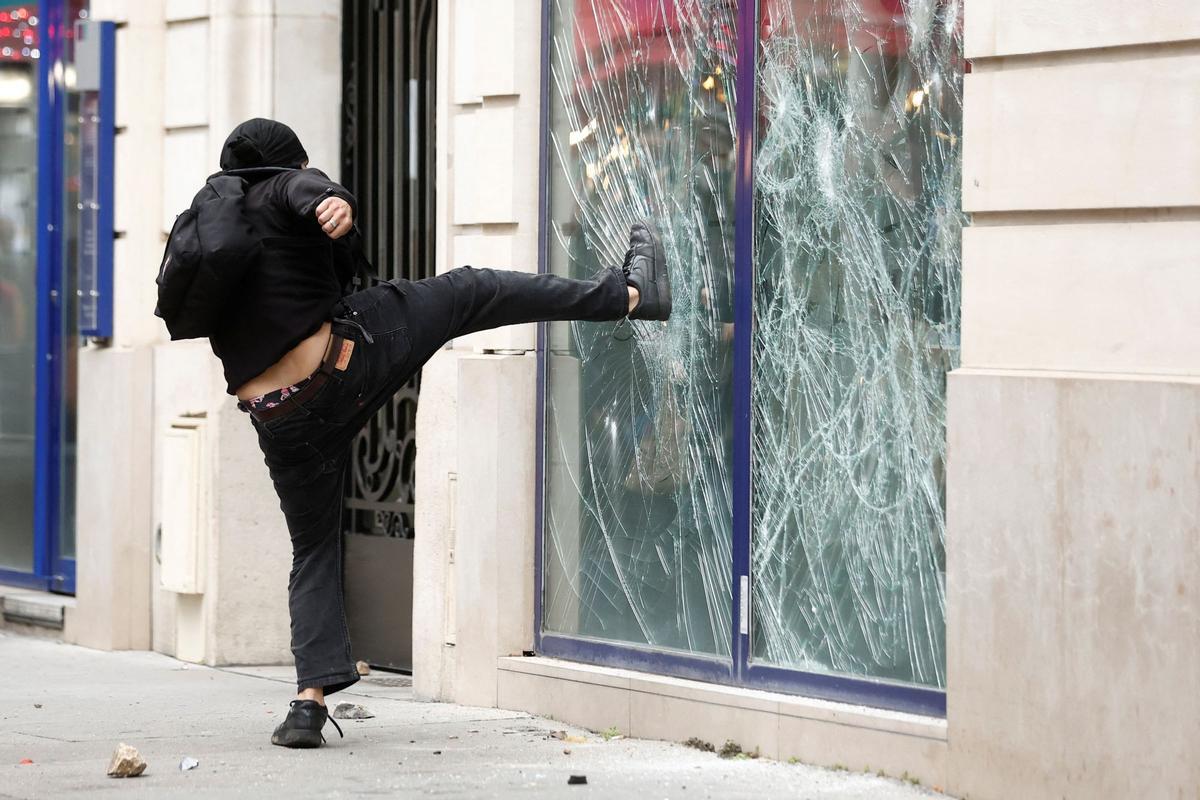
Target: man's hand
(335,217)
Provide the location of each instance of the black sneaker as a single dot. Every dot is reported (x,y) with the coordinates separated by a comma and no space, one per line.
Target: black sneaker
(645,269)
(303,725)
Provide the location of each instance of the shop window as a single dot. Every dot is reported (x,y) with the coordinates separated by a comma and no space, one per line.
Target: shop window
(856,298)
(18,291)
(637,495)
(823,502)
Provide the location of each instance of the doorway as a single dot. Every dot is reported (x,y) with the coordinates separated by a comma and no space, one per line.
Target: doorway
(388,112)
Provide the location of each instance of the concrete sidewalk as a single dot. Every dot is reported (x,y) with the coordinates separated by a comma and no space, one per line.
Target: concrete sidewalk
(66,708)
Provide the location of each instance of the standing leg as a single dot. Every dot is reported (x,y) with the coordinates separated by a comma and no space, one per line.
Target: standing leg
(309,481)
(320,637)
(309,484)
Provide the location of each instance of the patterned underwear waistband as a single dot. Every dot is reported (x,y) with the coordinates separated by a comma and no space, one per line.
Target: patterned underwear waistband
(274,398)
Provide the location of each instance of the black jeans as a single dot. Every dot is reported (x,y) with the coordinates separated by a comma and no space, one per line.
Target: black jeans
(396,327)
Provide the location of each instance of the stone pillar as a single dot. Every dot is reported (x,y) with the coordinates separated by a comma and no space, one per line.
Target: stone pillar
(488,129)
(1073,519)
(114,390)
(494,514)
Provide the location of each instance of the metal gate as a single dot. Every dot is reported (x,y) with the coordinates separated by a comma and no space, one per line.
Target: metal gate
(389,73)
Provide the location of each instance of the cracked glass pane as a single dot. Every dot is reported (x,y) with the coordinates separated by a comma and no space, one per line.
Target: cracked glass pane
(637,542)
(856,311)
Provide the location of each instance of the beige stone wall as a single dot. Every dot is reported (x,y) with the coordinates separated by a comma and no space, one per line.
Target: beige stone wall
(1073,514)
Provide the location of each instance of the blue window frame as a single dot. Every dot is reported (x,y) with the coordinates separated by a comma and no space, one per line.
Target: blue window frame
(738,666)
(62,302)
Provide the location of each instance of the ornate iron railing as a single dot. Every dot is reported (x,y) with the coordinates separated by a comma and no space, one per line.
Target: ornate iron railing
(389,72)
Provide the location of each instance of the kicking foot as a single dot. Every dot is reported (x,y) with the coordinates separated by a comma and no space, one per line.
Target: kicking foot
(645,269)
(303,725)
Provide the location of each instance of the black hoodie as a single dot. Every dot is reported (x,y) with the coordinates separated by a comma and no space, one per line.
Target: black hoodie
(299,276)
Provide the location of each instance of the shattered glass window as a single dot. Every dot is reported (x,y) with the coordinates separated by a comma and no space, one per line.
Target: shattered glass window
(855,325)
(856,314)
(638,516)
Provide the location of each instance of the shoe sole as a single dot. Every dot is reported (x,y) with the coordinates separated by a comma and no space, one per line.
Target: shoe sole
(660,273)
(661,279)
(298,739)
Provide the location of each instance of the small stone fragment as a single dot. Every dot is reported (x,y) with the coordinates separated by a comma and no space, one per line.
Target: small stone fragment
(363,668)
(566,751)
(126,762)
(350,711)
(577,780)
(437,752)
(187,762)
(37,705)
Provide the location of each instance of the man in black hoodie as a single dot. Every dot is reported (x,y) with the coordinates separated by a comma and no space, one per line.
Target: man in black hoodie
(312,366)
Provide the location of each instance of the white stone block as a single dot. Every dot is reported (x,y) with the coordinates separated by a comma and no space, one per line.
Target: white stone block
(308,87)
(186,163)
(242,63)
(484,180)
(249,622)
(186,74)
(779,726)
(464,26)
(495,47)
(1073,540)
(1106,134)
(589,705)
(494,520)
(113,500)
(434,592)
(245,8)
(185,9)
(486,250)
(1120,297)
(136,260)
(1011,27)
(140,93)
(330,12)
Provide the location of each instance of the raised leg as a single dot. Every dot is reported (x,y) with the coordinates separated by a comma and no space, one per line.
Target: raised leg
(468,299)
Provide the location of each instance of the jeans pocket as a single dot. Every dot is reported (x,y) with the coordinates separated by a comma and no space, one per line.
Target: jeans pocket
(378,310)
(338,401)
(286,444)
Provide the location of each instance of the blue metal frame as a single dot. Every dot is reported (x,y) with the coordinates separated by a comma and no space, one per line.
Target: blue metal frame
(743,321)
(539,479)
(50,569)
(739,669)
(25,580)
(105,156)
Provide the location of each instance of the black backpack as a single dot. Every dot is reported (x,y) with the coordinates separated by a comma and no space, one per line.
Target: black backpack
(211,246)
